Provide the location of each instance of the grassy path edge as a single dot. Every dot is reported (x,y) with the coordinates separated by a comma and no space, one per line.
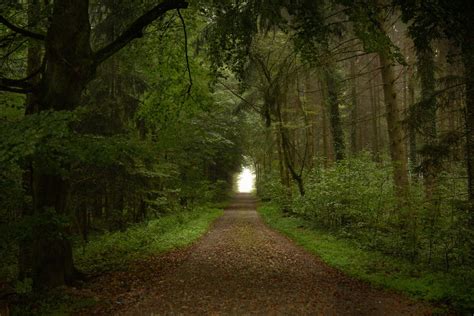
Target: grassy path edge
(170,232)
(116,251)
(374,267)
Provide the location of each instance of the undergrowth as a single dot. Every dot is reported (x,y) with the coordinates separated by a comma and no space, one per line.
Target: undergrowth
(116,250)
(112,251)
(454,288)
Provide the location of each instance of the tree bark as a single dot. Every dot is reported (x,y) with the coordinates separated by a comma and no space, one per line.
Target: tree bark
(374,121)
(395,131)
(68,69)
(33,64)
(426,68)
(411,129)
(354,109)
(327,154)
(334,115)
(468,61)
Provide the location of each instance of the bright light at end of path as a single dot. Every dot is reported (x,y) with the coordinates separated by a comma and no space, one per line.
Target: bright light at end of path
(246,181)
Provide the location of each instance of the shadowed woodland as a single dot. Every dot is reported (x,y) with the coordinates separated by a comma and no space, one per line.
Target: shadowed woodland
(124,124)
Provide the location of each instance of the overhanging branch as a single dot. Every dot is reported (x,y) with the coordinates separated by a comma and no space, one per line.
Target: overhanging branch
(135,30)
(21,31)
(186,51)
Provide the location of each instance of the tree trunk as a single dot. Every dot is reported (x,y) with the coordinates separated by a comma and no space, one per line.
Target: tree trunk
(334,116)
(354,106)
(468,61)
(281,167)
(33,65)
(70,65)
(326,150)
(395,131)
(411,128)
(68,69)
(288,155)
(426,69)
(374,121)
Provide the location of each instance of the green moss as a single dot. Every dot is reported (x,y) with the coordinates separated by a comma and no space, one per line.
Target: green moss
(455,288)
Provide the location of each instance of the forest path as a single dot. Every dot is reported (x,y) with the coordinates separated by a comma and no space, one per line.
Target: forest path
(242,267)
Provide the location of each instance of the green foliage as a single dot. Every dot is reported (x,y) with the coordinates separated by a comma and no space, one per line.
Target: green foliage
(270,188)
(11,106)
(39,134)
(114,250)
(437,19)
(141,145)
(24,286)
(354,199)
(367,18)
(350,195)
(455,288)
(56,302)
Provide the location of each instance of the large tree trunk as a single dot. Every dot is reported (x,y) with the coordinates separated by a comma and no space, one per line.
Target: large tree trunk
(33,65)
(70,65)
(68,69)
(395,131)
(69,56)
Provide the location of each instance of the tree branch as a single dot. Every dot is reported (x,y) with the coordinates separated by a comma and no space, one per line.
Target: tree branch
(253,106)
(135,30)
(17,86)
(14,90)
(186,51)
(21,31)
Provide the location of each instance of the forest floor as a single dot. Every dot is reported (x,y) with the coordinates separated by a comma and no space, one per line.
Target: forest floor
(240,267)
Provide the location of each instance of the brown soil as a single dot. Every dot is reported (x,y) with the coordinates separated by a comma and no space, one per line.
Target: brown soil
(242,267)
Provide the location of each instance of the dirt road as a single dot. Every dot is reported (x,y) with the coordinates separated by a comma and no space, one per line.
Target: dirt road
(242,267)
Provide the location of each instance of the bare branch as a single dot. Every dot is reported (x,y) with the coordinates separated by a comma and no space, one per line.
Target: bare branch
(21,31)
(135,30)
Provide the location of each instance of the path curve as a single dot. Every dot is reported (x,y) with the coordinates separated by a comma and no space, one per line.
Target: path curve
(242,267)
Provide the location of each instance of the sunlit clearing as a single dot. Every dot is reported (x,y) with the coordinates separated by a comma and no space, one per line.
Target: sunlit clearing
(246,181)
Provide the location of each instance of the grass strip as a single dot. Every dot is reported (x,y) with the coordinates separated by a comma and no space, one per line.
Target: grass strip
(112,251)
(454,288)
